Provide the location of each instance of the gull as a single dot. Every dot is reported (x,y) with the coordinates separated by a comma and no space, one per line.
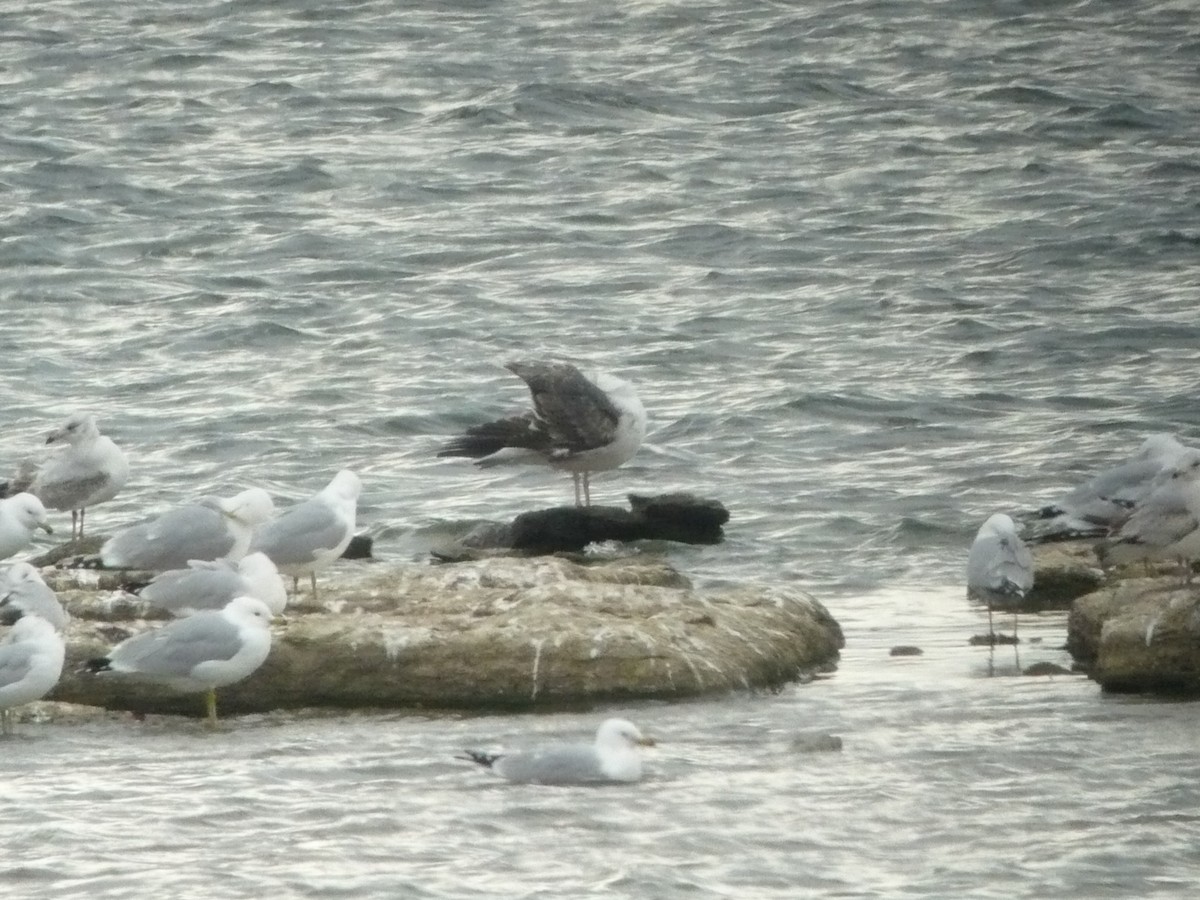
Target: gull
(19,516)
(1166,524)
(31,662)
(89,470)
(212,584)
(578,424)
(612,757)
(210,528)
(1106,498)
(22,588)
(999,568)
(311,535)
(202,652)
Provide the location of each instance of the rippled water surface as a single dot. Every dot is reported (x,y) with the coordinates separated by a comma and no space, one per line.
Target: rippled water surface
(877,270)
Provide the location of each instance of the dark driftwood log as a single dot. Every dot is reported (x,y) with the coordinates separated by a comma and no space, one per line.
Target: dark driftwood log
(563,529)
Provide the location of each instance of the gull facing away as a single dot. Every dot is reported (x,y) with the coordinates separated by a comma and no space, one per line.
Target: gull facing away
(612,758)
(578,425)
(210,528)
(311,535)
(89,470)
(999,567)
(31,662)
(212,584)
(22,588)
(1105,499)
(201,652)
(19,516)
(1166,524)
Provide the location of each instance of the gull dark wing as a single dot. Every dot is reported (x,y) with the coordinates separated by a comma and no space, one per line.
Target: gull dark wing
(577,415)
(525,431)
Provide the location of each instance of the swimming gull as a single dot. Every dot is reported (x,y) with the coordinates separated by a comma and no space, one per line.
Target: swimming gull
(22,587)
(578,424)
(999,568)
(1106,498)
(1166,524)
(19,516)
(210,528)
(212,584)
(89,470)
(31,662)
(612,757)
(201,652)
(311,535)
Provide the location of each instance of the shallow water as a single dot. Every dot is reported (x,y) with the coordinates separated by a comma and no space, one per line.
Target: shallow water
(877,271)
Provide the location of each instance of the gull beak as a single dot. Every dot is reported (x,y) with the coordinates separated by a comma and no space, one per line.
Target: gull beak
(45,526)
(646,742)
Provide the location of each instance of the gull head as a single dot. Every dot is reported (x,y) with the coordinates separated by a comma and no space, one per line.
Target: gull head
(79,427)
(28,511)
(252,507)
(621,732)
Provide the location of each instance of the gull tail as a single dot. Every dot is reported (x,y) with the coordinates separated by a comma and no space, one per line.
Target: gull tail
(96,665)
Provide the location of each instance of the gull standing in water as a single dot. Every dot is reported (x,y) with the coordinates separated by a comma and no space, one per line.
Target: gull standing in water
(19,516)
(201,652)
(578,424)
(212,584)
(612,757)
(210,528)
(999,568)
(311,535)
(31,661)
(89,470)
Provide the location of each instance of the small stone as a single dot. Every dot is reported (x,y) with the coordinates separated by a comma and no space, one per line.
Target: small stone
(906,650)
(817,742)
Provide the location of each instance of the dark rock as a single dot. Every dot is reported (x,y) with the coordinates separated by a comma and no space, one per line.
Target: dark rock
(679,517)
(906,650)
(1045,668)
(818,742)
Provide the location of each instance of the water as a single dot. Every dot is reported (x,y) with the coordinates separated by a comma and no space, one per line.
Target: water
(878,270)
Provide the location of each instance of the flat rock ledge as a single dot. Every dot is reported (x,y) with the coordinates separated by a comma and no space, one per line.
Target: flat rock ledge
(1062,571)
(1139,635)
(499,633)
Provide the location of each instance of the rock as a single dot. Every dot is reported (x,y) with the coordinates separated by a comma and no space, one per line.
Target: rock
(1062,572)
(906,650)
(679,517)
(817,742)
(1139,634)
(502,633)
(1045,668)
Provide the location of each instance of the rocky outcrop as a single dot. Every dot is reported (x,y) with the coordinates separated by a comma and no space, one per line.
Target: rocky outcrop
(487,634)
(1140,634)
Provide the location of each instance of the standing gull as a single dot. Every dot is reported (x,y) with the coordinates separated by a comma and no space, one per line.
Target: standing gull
(612,757)
(31,662)
(202,652)
(210,528)
(89,470)
(1107,497)
(1166,524)
(22,588)
(312,534)
(19,516)
(212,584)
(999,568)
(578,424)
